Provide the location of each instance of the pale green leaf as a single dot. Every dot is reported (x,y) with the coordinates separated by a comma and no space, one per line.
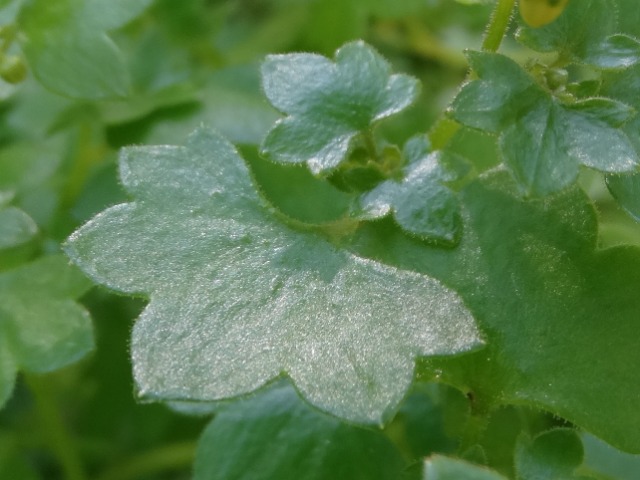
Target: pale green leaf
(439,467)
(237,298)
(328,103)
(16,227)
(42,328)
(609,462)
(553,454)
(275,435)
(68,49)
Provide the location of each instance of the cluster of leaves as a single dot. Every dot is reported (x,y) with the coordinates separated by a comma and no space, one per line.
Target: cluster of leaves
(345,295)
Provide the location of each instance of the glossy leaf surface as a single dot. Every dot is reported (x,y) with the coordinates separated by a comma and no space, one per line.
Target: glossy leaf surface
(42,328)
(237,297)
(328,103)
(67,46)
(542,140)
(550,302)
(421,203)
(274,434)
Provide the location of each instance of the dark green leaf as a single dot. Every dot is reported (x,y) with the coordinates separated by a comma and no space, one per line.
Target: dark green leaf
(444,468)
(553,454)
(551,305)
(67,47)
(275,435)
(237,297)
(329,103)
(542,140)
(42,328)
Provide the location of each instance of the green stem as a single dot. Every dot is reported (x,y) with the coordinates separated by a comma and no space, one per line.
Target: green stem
(59,438)
(170,457)
(370,144)
(445,128)
(498,24)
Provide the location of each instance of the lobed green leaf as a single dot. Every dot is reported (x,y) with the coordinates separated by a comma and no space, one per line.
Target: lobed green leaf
(329,103)
(542,140)
(560,316)
(237,298)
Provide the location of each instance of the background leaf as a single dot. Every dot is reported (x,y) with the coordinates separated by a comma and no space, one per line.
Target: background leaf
(444,468)
(274,434)
(16,227)
(553,454)
(68,49)
(42,327)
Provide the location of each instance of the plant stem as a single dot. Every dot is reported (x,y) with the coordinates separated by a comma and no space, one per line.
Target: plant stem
(177,455)
(60,441)
(498,24)
(445,128)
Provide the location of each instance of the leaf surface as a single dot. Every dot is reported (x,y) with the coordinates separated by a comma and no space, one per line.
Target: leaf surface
(16,227)
(328,103)
(439,467)
(274,434)
(542,140)
(552,454)
(549,301)
(421,203)
(581,34)
(68,49)
(237,298)
(42,328)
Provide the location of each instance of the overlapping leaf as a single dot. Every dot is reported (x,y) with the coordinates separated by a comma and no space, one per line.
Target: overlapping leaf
(276,435)
(561,316)
(625,87)
(329,103)
(68,49)
(237,297)
(421,203)
(552,454)
(42,328)
(16,227)
(543,141)
(586,32)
